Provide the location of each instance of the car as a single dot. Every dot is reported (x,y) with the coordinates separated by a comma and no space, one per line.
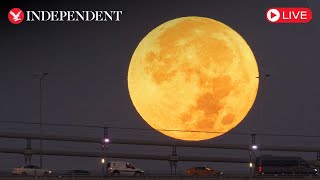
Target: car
(203,171)
(283,165)
(123,168)
(77,173)
(31,170)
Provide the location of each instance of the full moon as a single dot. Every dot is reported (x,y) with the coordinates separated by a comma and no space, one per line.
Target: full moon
(193,78)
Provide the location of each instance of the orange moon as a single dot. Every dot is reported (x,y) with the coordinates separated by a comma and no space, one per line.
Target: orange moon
(194,76)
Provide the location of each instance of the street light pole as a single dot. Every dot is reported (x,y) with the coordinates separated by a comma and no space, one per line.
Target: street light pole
(104,148)
(263,78)
(41,78)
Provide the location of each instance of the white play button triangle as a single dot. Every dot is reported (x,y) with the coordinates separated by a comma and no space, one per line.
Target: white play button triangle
(273,15)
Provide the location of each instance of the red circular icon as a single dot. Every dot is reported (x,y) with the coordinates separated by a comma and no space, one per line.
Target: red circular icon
(15,15)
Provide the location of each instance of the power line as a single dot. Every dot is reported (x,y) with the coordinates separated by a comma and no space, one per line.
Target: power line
(52,124)
(116,127)
(167,130)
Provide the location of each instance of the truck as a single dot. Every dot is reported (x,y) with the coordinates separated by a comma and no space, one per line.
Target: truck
(283,165)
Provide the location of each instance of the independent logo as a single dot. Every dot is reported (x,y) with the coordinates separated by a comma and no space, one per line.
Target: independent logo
(15,15)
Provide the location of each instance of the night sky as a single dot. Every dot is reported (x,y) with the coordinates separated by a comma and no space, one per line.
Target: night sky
(88,63)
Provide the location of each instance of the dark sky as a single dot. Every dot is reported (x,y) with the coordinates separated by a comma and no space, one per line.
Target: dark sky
(88,62)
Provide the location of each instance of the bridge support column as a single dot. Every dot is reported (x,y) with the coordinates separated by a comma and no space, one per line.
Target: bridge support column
(28,153)
(173,161)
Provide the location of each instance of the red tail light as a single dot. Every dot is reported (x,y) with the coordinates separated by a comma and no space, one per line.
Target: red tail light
(260,170)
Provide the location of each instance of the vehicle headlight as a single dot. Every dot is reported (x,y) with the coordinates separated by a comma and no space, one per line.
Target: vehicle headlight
(50,172)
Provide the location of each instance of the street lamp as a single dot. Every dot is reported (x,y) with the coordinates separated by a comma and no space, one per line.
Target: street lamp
(252,152)
(106,140)
(104,147)
(263,78)
(41,77)
(254,147)
(251,165)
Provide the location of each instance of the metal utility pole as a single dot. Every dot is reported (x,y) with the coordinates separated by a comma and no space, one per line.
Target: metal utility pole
(41,77)
(104,149)
(173,160)
(263,78)
(252,154)
(28,153)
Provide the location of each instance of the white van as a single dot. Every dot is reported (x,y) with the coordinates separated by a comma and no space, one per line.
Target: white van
(31,170)
(123,168)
